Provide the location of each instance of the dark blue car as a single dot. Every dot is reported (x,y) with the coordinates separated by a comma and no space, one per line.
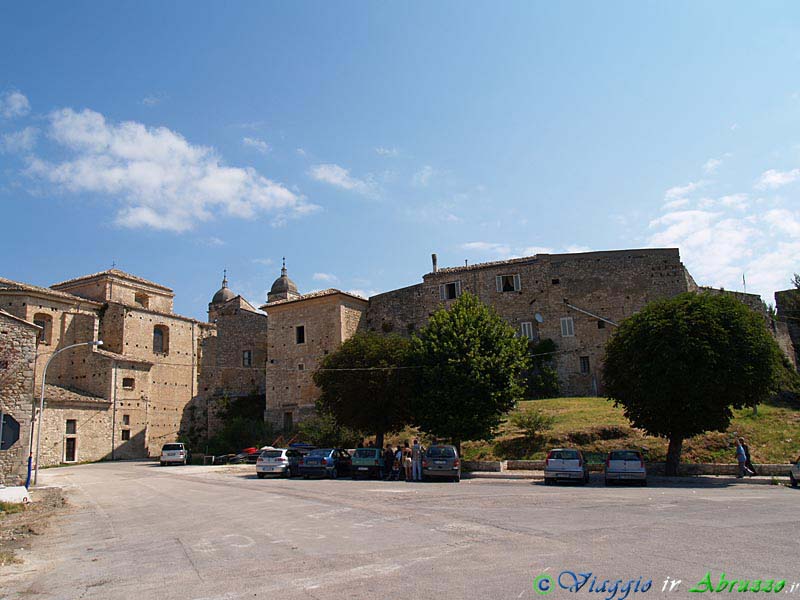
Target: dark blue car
(325,462)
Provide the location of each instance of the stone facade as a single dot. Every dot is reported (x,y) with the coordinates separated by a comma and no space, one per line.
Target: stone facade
(301,331)
(787,305)
(17,357)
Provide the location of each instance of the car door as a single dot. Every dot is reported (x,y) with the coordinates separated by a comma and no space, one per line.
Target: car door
(346,461)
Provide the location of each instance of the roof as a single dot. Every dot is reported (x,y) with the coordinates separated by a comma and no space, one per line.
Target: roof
(18,319)
(525,259)
(17,286)
(121,357)
(113,273)
(66,395)
(312,295)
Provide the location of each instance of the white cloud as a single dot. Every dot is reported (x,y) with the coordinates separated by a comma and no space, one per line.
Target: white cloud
(326,277)
(257,144)
(773,179)
(19,141)
(491,247)
(533,250)
(340,177)
(263,261)
(737,201)
(674,196)
(156,177)
(364,293)
(576,249)
(302,152)
(14,104)
(711,165)
(734,126)
(383,151)
(153,99)
(423,177)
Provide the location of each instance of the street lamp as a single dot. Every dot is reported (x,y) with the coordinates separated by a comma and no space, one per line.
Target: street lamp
(41,399)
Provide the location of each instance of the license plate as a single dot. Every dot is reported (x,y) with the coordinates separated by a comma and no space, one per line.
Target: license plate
(363,468)
(440,462)
(562,474)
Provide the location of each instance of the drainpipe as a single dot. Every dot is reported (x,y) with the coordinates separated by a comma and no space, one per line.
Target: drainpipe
(114,409)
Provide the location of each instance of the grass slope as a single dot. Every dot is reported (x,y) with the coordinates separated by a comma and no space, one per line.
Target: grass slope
(595,425)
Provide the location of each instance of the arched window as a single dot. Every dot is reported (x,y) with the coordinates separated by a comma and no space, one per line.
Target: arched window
(44,321)
(161,339)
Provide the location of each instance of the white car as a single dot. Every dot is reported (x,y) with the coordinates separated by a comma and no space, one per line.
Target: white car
(278,461)
(175,454)
(565,464)
(794,474)
(625,465)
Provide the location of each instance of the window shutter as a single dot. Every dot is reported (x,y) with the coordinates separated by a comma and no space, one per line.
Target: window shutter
(517,283)
(499,281)
(441,292)
(458,288)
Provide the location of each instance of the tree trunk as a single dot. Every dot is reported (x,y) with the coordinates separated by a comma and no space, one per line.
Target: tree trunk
(673,456)
(379,439)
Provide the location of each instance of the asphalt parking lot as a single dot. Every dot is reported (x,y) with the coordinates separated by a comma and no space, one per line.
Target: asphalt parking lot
(136,530)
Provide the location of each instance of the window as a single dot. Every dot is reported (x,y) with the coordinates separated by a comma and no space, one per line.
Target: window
(567,327)
(46,323)
(601,324)
(126,419)
(142,300)
(287,421)
(300,334)
(450,291)
(247,358)
(508,283)
(128,383)
(3,363)
(70,450)
(555,281)
(72,426)
(301,367)
(584,365)
(161,339)
(126,435)
(526,330)
(9,431)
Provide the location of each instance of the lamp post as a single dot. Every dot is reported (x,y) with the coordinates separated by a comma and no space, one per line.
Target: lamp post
(41,399)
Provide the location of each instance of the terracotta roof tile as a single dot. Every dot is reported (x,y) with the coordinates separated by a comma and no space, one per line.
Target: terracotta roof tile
(61,394)
(8,284)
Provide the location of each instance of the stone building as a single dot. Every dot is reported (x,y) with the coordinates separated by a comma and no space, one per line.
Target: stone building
(18,339)
(787,306)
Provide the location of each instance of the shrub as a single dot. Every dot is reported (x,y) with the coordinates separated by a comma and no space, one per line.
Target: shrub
(532,422)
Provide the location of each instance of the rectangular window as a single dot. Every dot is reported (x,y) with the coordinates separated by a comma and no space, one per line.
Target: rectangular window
(126,419)
(72,426)
(126,435)
(601,324)
(450,291)
(247,358)
(287,421)
(508,283)
(128,383)
(526,330)
(300,334)
(585,365)
(555,281)
(70,450)
(567,327)
(301,367)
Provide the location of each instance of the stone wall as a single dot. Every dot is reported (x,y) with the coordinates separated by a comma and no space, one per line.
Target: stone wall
(17,356)
(787,305)
(92,429)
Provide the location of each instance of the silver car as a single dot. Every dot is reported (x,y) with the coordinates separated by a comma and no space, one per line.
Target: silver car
(565,464)
(175,454)
(277,461)
(625,465)
(441,462)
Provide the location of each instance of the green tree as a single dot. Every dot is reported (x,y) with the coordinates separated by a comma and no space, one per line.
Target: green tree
(470,372)
(680,366)
(541,380)
(322,430)
(532,422)
(363,388)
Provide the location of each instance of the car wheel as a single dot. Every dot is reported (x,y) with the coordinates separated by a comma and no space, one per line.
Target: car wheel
(185,461)
(793,481)
(163,463)
(644,482)
(306,476)
(548,481)
(260,475)
(334,473)
(457,479)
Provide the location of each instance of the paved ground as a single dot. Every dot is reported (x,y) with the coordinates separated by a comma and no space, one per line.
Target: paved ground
(141,531)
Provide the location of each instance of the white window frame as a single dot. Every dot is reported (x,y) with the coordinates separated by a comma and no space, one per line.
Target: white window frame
(443,290)
(526,329)
(247,358)
(499,283)
(567,327)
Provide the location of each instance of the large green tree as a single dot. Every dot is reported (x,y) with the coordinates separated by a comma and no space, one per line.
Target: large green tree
(470,371)
(364,384)
(680,366)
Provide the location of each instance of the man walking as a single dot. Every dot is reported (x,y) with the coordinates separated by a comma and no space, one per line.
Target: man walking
(416,460)
(741,458)
(747,464)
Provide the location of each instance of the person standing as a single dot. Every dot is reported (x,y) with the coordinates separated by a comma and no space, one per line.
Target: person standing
(407,461)
(416,460)
(748,465)
(388,461)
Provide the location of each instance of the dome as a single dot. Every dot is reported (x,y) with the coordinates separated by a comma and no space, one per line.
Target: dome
(224,293)
(283,287)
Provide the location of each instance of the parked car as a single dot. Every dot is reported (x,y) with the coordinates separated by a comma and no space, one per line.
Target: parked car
(441,461)
(794,474)
(284,462)
(625,465)
(367,462)
(325,462)
(565,464)
(246,456)
(175,454)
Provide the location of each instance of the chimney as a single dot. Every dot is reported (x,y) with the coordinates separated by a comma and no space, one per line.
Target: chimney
(435,262)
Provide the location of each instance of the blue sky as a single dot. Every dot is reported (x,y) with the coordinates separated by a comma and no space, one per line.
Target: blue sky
(177,139)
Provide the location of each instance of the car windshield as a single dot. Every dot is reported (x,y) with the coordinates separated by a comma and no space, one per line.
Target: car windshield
(321,452)
(168,447)
(271,454)
(565,454)
(442,452)
(625,455)
(365,453)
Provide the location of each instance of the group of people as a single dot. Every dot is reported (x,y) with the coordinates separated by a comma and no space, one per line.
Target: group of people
(403,462)
(743,458)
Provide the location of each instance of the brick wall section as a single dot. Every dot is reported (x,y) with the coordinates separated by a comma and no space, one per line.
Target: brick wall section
(787,304)
(17,356)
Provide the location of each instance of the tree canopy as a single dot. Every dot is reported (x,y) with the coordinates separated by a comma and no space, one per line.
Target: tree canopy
(680,366)
(470,371)
(364,384)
